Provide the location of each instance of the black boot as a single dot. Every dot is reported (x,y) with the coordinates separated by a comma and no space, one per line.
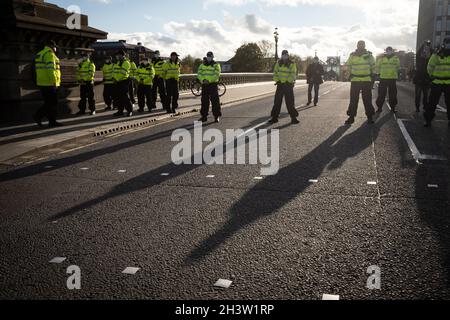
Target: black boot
(273,120)
(350,120)
(37,120)
(295,121)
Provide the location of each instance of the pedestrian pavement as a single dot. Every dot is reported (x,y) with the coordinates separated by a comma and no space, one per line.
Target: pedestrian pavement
(19,140)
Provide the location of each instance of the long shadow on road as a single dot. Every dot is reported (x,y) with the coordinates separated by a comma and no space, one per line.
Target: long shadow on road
(255,204)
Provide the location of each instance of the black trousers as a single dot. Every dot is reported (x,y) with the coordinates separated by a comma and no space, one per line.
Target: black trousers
(159,87)
(108,94)
(50,107)
(131,91)
(435,96)
(172,93)
(284,90)
(316,87)
(87,94)
(366,89)
(144,93)
(123,98)
(383,88)
(210,93)
(422,93)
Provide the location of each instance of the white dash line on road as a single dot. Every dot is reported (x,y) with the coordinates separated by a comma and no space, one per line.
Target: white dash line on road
(84,169)
(313,180)
(58,260)
(433,186)
(330,297)
(131,270)
(122,171)
(372,183)
(211,176)
(258,178)
(165,174)
(222,283)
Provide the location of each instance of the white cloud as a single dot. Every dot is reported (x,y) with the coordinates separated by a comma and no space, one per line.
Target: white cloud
(386,23)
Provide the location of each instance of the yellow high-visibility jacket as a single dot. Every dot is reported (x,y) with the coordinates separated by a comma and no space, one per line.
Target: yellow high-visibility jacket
(86,71)
(133,70)
(285,73)
(145,75)
(158,65)
(121,70)
(172,70)
(361,67)
(388,67)
(108,73)
(48,70)
(439,69)
(210,72)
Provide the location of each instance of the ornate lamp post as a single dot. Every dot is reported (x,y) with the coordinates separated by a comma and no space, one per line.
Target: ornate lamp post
(277,37)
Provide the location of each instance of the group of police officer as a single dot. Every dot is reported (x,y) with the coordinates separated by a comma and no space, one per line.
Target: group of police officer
(121,77)
(160,76)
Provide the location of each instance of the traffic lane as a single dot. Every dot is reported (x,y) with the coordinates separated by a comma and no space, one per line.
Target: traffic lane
(399,171)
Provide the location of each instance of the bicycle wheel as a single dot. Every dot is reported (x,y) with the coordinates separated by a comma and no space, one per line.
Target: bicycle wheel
(196,89)
(222,89)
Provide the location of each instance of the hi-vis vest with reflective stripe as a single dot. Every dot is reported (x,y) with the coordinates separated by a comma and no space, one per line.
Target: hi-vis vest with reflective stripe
(209,72)
(172,70)
(86,71)
(159,68)
(361,67)
(133,69)
(145,75)
(121,70)
(388,68)
(48,72)
(108,73)
(285,73)
(439,69)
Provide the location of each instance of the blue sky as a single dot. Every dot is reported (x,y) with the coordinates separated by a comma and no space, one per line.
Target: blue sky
(306,26)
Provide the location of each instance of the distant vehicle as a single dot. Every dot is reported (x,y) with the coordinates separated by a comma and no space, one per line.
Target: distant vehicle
(331,76)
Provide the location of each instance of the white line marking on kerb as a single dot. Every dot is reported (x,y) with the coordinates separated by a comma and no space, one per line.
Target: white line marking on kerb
(330,297)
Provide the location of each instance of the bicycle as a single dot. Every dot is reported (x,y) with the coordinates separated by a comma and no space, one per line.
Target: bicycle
(196,88)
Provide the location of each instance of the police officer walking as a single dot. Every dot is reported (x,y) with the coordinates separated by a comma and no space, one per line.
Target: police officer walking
(172,70)
(158,82)
(361,65)
(85,77)
(121,76)
(48,80)
(314,74)
(439,71)
(388,68)
(108,83)
(209,76)
(285,75)
(422,80)
(145,76)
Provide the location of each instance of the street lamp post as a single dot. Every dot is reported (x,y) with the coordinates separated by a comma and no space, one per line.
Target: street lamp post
(277,37)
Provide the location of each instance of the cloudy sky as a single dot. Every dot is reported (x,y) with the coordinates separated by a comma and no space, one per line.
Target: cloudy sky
(194,27)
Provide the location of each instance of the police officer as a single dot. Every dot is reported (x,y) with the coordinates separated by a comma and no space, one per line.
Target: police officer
(209,76)
(121,76)
(285,75)
(158,82)
(439,71)
(172,70)
(108,83)
(85,77)
(48,80)
(144,77)
(131,90)
(388,68)
(314,74)
(422,80)
(361,65)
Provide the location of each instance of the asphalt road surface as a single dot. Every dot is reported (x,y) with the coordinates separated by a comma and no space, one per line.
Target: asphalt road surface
(107,207)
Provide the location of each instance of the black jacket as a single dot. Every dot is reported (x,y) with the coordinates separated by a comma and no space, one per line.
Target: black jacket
(314,73)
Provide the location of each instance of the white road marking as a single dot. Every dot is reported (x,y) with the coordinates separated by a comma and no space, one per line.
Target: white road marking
(131,270)
(330,297)
(412,146)
(258,178)
(58,260)
(222,283)
(122,171)
(165,174)
(84,169)
(211,176)
(441,109)
(313,180)
(433,186)
(372,183)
